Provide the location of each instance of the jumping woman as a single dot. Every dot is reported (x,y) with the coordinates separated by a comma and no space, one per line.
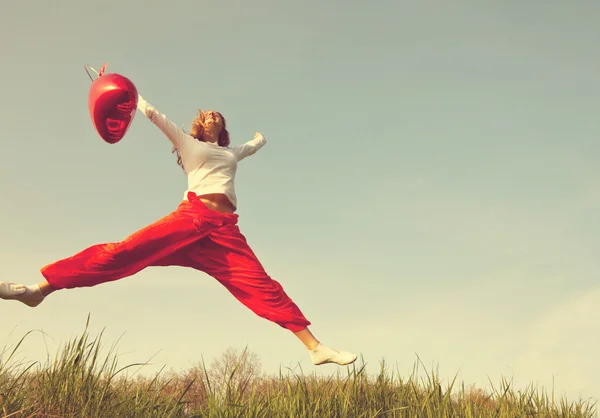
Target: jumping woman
(202,233)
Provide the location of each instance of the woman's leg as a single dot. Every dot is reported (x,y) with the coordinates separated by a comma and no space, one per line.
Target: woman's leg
(107,262)
(307,338)
(226,256)
(46,288)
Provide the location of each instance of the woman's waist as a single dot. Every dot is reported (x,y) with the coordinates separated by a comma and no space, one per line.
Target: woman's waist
(213,200)
(217,201)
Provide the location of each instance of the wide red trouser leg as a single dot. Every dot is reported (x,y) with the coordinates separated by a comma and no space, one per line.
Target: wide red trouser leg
(113,261)
(226,256)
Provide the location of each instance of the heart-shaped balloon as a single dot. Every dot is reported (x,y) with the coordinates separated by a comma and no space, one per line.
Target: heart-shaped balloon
(112,103)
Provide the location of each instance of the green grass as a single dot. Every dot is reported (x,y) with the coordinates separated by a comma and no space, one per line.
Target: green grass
(80,382)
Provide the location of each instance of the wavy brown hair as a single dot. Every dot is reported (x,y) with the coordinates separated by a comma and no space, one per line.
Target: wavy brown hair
(197,131)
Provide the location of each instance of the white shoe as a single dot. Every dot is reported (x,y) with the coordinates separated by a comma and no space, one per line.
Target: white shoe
(324,355)
(29,295)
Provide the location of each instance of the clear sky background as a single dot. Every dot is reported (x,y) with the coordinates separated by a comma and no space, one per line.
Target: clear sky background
(430,185)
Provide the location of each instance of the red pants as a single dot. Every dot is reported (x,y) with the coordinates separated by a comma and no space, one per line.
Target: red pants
(191,236)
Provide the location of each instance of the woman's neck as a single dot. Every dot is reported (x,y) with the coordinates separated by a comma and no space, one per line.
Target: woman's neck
(211,136)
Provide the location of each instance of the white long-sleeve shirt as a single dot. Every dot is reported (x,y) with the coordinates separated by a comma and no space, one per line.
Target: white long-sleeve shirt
(210,168)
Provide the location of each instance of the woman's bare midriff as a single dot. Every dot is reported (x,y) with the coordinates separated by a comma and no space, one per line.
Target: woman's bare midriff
(218,202)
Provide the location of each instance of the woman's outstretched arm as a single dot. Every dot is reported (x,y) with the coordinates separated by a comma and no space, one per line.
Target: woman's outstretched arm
(250,147)
(175,134)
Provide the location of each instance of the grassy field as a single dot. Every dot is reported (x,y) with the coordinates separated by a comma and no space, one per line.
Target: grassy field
(82,382)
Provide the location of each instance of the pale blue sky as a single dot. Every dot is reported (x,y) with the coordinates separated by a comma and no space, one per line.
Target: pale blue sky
(430,183)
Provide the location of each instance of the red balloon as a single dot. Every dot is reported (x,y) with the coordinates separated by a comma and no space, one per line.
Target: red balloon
(112,103)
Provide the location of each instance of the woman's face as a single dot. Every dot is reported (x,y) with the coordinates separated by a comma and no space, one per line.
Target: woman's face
(213,120)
